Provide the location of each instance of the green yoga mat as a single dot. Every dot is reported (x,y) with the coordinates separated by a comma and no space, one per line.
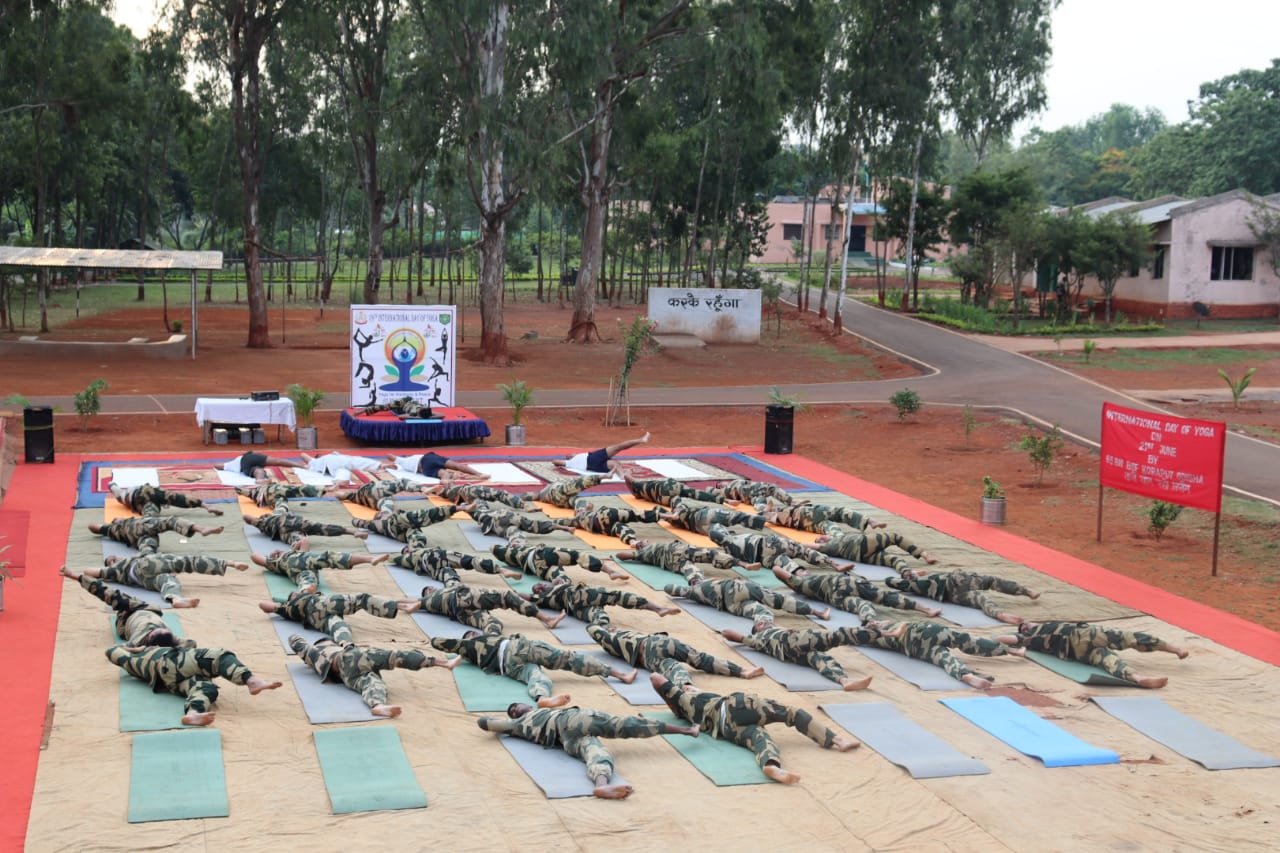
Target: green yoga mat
(170,618)
(524,583)
(177,776)
(651,576)
(764,577)
(1081,673)
(142,709)
(481,691)
(722,762)
(366,770)
(279,586)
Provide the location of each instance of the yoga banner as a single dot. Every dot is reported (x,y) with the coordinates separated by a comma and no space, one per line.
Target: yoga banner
(402,351)
(1177,460)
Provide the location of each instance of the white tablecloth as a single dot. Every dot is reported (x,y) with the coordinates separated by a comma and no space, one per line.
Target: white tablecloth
(234,410)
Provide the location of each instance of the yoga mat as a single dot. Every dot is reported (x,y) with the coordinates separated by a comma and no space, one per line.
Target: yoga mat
(764,577)
(478,539)
(481,691)
(638,692)
(131,477)
(177,776)
(143,710)
(327,701)
(233,478)
(716,620)
(365,770)
(1185,735)
(113,509)
(651,576)
(170,619)
(279,586)
(150,596)
(1082,673)
(557,773)
(921,673)
(722,762)
(285,627)
(672,469)
(553,511)
(958,614)
(432,624)
(883,728)
(505,474)
(112,548)
(523,584)
(359,510)
(804,537)
(251,509)
(598,541)
(793,676)
(376,543)
(261,543)
(1021,729)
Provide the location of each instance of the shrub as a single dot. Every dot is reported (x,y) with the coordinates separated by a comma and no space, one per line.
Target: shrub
(1088,346)
(1042,450)
(969,421)
(88,403)
(305,402)
(518,395)
(907,402)
(1237,386)
(1161,515)
(991,489)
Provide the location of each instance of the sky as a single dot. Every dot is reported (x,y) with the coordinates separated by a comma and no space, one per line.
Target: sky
(1147,53)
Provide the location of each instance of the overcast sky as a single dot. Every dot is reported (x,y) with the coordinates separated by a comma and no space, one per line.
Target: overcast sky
(1147,53)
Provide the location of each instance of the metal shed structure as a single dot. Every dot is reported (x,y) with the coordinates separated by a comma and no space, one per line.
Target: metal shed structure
(118,259)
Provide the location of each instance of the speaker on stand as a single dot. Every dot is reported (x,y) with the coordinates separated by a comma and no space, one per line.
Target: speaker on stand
(37,428)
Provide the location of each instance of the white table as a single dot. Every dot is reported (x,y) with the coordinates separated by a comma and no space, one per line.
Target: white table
(242,410)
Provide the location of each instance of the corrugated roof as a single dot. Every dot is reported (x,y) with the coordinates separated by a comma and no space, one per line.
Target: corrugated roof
(119,259)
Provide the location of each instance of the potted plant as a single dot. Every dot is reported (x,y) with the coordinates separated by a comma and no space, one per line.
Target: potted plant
(305,402)
(993,502)
(779,420)
(518,395)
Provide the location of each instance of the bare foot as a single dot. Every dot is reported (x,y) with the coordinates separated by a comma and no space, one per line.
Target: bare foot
(379,558)
(360,534)
(507,573)
(557,701)
(1151,682)
(68,573)
(408,606)
(185,602)
(613,792)
(552,621)
(239,566)
(844,744)
(214,510)
(1016,652)
(625,677)
(974,680)
(849,684)
(1181,653)
(668,611)
(191,718)
(1009,618)
(930,611)
(928,558)
(1033,595)
(754,672)
(645,439)
(257,684)
(267,606)
(386,710)
(450,663)
(208,531)
(877,524)
(777,774)
(823,613)
(615,575)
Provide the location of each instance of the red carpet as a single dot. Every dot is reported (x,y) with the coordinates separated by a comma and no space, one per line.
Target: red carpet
(14,524)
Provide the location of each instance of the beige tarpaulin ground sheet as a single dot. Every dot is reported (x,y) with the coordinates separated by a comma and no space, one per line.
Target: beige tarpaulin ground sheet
(479,799)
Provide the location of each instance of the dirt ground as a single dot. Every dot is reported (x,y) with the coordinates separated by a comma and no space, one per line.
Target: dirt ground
(928,456)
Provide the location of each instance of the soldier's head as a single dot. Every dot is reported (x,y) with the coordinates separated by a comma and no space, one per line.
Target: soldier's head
(470,634)
(760,625)
(910,574)
(160,637)
(277,554)
(516,710)
(541,588)
(1026,629)
(111,561)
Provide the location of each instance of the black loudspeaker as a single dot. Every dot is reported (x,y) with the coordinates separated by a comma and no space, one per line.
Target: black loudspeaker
(779,423)
(37,428)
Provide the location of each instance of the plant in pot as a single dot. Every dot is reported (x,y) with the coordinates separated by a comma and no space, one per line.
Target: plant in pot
(993,502)
(779,420)
(305,402)
(518,395)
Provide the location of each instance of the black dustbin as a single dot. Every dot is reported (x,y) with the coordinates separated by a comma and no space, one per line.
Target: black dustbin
(37,428)
(779,422)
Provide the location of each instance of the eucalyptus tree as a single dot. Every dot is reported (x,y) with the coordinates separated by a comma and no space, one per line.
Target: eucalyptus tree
(1115,246)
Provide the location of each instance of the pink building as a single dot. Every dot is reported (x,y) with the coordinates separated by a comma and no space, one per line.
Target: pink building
(787,225)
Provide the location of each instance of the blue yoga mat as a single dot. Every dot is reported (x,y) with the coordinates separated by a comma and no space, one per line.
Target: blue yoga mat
(921,753)
(177,776)
(1021,729)
(1185,735)
(365,769)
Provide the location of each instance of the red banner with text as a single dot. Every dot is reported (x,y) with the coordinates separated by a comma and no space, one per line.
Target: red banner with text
(1178,460)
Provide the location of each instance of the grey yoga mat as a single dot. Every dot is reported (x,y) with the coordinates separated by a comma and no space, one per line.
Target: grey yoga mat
(1185,735)
(883,728)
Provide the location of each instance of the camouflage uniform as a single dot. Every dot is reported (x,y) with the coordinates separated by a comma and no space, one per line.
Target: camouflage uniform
(933,642)
(518,657)
(440,563)
(400,523)
(562,494)
(151,500)
(545,561)
(961,588)
(742,597)
(752,492)
(505,522)
(272,494)
(870,548)
(579,600)
(406,407)
(651,651)
(611,520)
(358,667)
(1091,644)
(808,646)
(818,518)
(472,607)
(144,533)
(156,571)
(741,718)
(701,517)
(667,491)
(765,548)
(289,527)
(303,567)
(575,730)
(848,591)
(135,619)
(186,672)
(381,494)
(325,612)
(461,493)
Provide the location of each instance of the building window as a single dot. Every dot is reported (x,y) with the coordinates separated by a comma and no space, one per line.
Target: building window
(1157,262)
(792,231)
(1231,263)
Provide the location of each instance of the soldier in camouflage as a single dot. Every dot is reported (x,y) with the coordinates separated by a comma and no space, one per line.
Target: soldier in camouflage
(144,533)
(963,588)
(379,494)
(744,598)
(741,718)
(273,494)
(156,572)
(611,520)
(137,622)
(358,667)
(325,613)
(753,492)
(664,653)
(933,642)
(849,591)
(293,529)
(702,517)
(564,493)
(400,523)
(472,606)
(151,500)
(189,673)
(442,564)
(1094,644)
(818,518)
(765,549)
(547,562)
(499,521)
(679,558)
(463,493)
(666,491)
(871,548)
(809,647)
(578,731)
(303,568)
(580,600)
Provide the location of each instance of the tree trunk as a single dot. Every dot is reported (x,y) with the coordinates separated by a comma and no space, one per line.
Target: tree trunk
(594,192)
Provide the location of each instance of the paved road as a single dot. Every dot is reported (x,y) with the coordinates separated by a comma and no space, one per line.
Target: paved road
(959,370)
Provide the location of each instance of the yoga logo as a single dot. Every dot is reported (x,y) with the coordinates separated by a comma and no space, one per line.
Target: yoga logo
(405,349)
